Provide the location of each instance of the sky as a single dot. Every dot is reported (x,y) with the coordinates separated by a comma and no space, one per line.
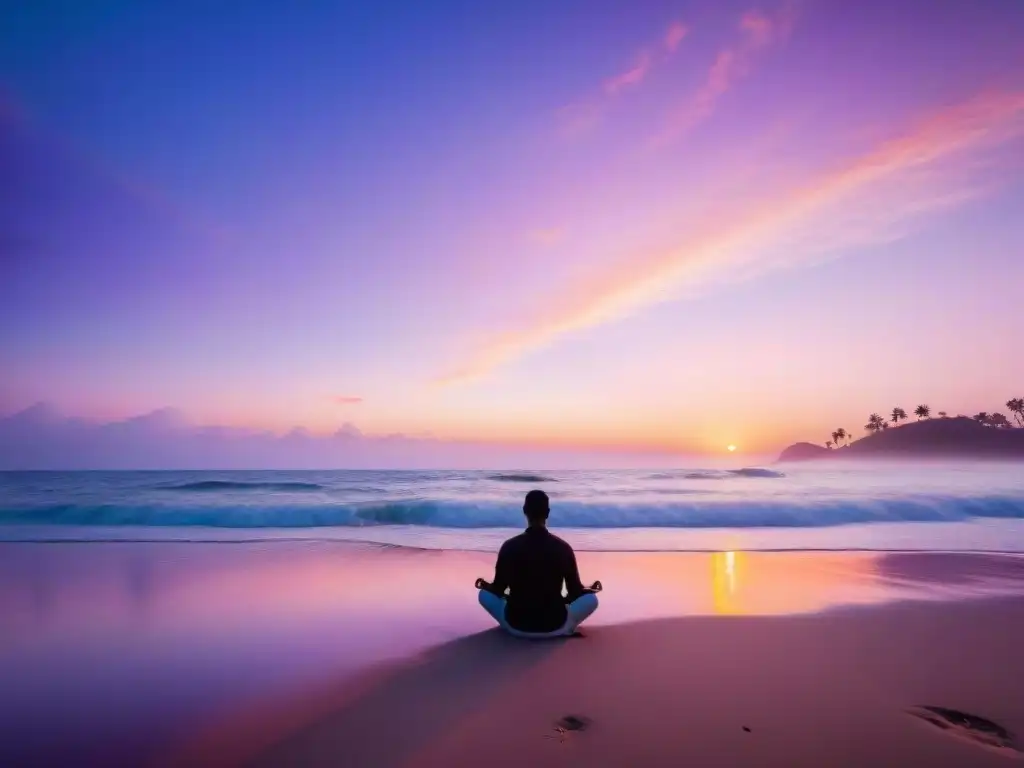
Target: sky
(596,228)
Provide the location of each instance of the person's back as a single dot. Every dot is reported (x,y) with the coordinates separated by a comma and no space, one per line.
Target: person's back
(533,567)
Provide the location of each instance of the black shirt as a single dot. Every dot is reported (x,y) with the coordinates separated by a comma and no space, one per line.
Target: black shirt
(533,566)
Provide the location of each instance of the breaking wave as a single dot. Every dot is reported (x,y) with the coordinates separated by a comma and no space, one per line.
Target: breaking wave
(569,514)
(716,474)
(228,485)
(526,478)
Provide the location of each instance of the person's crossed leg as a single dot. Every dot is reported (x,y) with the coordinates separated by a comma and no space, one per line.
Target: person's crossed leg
(576,613)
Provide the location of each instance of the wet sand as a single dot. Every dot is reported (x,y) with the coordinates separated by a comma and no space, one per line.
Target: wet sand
(328,654)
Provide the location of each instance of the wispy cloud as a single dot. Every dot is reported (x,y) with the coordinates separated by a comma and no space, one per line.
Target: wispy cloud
(346,399)
(548,236)
(581,116)
(632,76)
(936,163)
(18,124)
(757,32)
(10,110)
(674,35)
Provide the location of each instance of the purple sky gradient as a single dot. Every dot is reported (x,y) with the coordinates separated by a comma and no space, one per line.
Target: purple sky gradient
(658,229)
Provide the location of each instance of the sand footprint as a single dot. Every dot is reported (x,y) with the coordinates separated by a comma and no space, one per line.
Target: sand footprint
(567,725)
(972,728)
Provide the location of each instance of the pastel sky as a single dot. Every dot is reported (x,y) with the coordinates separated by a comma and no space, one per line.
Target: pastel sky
(657,227)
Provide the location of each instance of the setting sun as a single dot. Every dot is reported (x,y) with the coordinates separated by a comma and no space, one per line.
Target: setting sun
(731,448)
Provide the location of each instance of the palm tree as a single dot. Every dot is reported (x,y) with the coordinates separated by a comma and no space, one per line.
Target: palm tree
(875,423)
(981,417)
(829,445)
(1016,406)
(840,434)
(922,412)
(898,414)
(999,421)
(835,438)
(943,415)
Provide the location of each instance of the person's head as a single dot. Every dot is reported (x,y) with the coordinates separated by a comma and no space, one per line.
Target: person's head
(536,507)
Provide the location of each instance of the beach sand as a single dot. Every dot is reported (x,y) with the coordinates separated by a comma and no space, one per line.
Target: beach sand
(831,688)
(327,656)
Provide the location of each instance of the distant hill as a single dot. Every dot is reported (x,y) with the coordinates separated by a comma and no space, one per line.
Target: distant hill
(928,438)
(804,451)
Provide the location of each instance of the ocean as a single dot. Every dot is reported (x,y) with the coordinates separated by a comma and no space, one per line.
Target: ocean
(145,613)
(812,506)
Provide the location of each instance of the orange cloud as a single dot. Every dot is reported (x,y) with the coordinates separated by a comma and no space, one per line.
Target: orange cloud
(346,399)
(757,32)
(911,174)
(674,35)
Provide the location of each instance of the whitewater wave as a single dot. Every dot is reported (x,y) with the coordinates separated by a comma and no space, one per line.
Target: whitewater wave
(754,472)
(231,485)
(448,514)
(522,478)
(716,474)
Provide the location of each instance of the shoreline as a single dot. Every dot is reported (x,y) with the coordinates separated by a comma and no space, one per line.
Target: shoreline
(368,545)
(991,535)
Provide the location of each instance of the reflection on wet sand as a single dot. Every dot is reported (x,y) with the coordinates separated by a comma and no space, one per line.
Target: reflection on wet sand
(745,583)
(54,590)
(723,578)
(214,628)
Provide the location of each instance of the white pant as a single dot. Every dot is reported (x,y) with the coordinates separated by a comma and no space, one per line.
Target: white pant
(577,611)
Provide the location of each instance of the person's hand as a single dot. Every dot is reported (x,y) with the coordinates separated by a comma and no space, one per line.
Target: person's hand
(595,587)
(481,584)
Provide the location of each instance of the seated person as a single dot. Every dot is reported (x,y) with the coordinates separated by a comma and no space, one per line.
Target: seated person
(532,567)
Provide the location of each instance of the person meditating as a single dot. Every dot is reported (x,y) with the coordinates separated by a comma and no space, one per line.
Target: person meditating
(532,567)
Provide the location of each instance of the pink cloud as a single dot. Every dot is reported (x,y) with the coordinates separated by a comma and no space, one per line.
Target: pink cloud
(633,76)
(728,67)
(674,35)
(548,236)
(346,399)
(758,31)
(758,27)
(925,169)
(41,438)
(577,119)
(582,116)
(762,30)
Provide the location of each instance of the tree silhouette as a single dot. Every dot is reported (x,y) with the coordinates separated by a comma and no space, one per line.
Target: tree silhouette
(943,415)
(898,414)
(999,421)
(1016,407)
(981,417)
(829,445)
(840,433)
(922,412)
(875,423)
